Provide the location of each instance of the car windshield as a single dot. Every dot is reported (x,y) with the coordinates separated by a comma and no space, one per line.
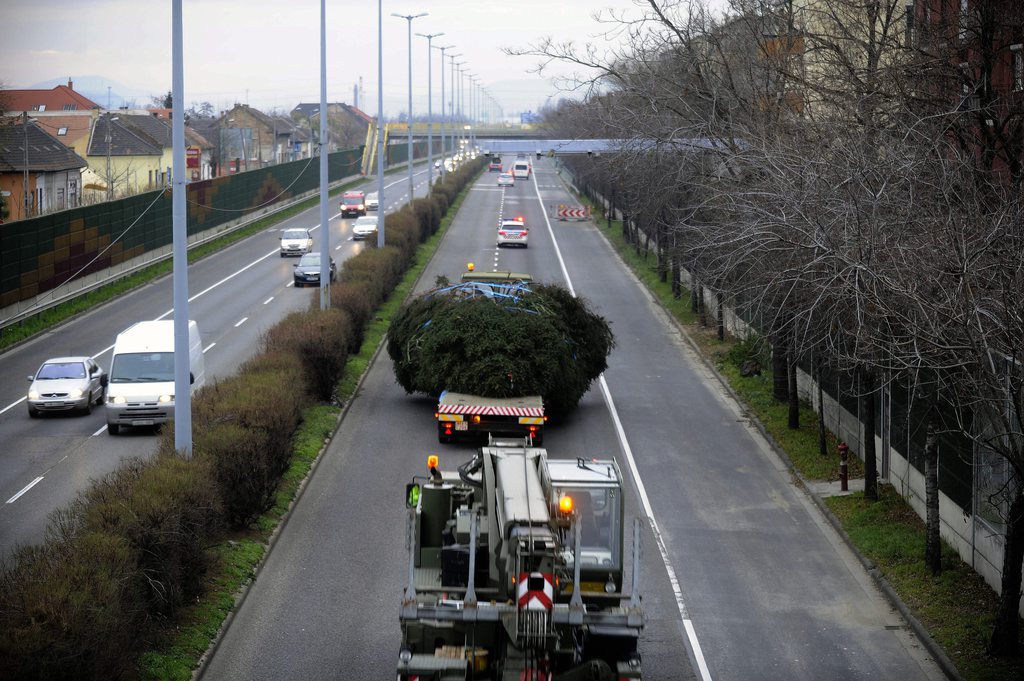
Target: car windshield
(309,260)
(352,200)
(295,234)
(142,367)
(597,512)
(367,220)
(59,370)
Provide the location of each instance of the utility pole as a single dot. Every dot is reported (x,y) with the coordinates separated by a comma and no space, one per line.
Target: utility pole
(430,107)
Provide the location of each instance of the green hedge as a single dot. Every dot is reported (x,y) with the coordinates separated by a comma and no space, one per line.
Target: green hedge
(119,561)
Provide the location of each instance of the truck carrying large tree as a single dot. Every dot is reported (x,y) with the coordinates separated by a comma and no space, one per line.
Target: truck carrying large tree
(500,339)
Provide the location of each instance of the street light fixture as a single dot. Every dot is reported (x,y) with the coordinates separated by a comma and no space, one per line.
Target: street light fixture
(430,107)
(409,18)
(443,48)
(451,108)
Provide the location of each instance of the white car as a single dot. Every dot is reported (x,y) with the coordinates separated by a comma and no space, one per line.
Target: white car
(296,242)
(364,227)
(506,180)
(66,384)
(512,233)
(372,202)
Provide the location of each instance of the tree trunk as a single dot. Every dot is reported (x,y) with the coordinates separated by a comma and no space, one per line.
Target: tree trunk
(794,396)
(1004,636)
(932,541)
(677,289)
(701,308)
(780,372)
(694,300)
(822,446)
(721,316)
(870,466)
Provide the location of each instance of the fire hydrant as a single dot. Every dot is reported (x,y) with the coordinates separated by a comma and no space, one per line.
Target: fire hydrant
(844,474)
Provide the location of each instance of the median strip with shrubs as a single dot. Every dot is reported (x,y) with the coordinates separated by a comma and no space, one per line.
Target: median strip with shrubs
(120,563)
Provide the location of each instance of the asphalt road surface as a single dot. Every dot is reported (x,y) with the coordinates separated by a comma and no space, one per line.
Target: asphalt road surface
(741,577)
(235,295)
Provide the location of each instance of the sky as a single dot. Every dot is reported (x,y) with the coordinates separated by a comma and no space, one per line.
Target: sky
(267,54)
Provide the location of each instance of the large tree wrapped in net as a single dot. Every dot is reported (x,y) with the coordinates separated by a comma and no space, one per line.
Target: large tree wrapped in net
(500,340)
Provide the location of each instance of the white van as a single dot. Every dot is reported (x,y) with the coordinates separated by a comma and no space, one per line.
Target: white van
(140,391)
(521,169)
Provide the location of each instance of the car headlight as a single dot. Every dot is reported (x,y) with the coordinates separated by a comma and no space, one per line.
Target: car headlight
(75,393)
(165,399)
(33,394)
(118,399)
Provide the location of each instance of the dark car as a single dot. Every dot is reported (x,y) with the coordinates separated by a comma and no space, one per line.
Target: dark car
(494,166)
(353,203)
(307,270)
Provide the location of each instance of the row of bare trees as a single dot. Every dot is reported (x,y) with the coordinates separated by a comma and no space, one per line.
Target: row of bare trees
(851,170)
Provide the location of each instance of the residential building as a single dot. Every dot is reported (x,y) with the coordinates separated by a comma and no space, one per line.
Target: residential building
(38,174)
(62,98)
(123,157)
(348,125)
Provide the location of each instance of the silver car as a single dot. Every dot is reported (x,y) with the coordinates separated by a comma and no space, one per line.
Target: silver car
(66,384)
(296,242)
(372,202)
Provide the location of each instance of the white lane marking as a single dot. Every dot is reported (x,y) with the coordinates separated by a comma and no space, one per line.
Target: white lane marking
(12,405)
(93,435)
(677,591)
(25,489)
(268,300)
(207,348)
(241,321)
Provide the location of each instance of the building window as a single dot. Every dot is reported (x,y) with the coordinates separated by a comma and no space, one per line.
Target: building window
(39,107)
(61,132)
(70,107)
(1018,66)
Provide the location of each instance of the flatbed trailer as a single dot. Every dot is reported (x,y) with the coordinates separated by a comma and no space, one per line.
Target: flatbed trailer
(459,414)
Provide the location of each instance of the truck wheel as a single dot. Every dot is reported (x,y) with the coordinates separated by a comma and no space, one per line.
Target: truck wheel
(113,429)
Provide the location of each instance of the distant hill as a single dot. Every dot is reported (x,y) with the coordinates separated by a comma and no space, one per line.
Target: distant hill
(95,88)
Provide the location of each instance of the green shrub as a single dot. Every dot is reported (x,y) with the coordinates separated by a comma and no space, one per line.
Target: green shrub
(751,348)
(358,300)
(322,339)
(165,508)
(380,269)
(402,232)
(442,202)
(70,608)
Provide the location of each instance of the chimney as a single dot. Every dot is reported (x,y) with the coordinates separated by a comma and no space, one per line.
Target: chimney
(71,85)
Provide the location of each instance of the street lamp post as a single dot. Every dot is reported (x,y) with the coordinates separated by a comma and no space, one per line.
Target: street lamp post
(430,107)
(380,124)
(409,18)
(461,114)
(445,47)
(451,107)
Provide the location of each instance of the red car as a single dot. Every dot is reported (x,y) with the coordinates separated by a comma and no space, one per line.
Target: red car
(494,166)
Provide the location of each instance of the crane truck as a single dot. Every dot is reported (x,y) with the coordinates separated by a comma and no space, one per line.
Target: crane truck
(516,568)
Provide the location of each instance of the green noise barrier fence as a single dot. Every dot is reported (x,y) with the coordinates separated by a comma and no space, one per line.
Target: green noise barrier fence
(42,253)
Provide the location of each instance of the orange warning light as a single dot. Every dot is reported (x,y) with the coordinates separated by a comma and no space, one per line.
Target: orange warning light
(565,505)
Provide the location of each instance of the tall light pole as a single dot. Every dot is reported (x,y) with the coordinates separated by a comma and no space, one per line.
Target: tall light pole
(451,107)
(461,115)
(430,107)
(380,124)
(325,225)
(409,18)
(445,47)
(179,242)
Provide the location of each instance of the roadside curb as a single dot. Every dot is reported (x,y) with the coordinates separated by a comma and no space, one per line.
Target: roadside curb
(934,649)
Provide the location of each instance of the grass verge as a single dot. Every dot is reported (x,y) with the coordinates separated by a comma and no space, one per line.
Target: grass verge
(177,654)
(957,607)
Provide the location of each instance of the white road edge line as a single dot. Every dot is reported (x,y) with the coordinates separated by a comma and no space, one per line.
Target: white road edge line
(95,434)
(268,300)
(207,348)
(25,489)
(627,451)
(241,321)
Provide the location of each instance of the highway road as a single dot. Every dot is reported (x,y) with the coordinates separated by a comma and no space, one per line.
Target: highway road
(234,296)
(741,576)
